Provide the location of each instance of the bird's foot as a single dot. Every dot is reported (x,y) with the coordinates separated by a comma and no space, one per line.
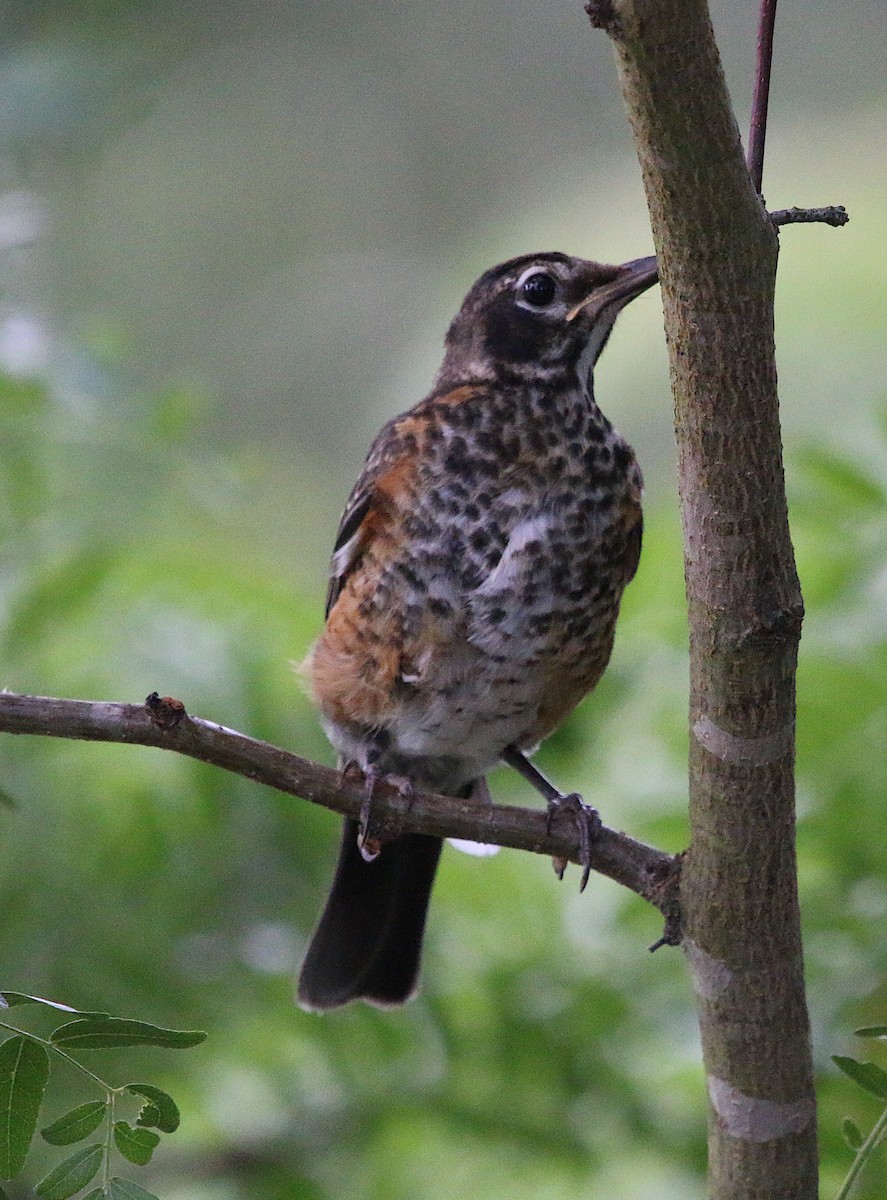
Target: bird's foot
(588,825)
(588,821)
(369,842)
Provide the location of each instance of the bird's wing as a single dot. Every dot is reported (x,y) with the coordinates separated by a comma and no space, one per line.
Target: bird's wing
(387,455)
(389,477)
(349,539)
(632,522)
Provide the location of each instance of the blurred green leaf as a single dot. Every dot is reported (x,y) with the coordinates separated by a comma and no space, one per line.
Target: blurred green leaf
(75,1125)
(72,1174)
(872,1031)
(176,413)
(124,1189)
(98,1033)
(135,1144)
(24,1070)
(62,592)
(868,1075)
(852,1135)
(21,396)
(848,480)
(164,1114)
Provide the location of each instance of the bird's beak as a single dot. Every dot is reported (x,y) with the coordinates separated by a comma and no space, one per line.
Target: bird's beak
(633,279)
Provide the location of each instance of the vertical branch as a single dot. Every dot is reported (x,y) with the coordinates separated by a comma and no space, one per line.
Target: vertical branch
(761,98)
(717,254)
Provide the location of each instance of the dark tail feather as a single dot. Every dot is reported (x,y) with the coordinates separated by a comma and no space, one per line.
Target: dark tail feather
(368,943)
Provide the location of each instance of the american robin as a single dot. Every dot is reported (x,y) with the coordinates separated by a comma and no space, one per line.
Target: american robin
(474,589)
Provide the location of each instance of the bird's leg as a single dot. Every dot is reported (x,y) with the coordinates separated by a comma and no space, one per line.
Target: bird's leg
(368,842)
(369,847)
(588,821)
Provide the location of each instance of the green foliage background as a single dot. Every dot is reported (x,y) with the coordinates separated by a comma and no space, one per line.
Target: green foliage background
(162,527)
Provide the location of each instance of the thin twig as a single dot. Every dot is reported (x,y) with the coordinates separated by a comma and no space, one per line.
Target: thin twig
(761,98)
(163,723)
(834,214)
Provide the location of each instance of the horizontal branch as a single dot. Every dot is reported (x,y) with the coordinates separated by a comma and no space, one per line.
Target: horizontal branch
(164,724)
(833,214)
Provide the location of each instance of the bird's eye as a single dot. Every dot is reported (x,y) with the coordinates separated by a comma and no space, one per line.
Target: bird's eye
(538,289)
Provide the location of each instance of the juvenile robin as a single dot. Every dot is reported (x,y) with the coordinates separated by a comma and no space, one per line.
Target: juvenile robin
(474,589)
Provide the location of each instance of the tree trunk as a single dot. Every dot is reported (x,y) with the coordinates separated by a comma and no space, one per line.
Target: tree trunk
(717,252)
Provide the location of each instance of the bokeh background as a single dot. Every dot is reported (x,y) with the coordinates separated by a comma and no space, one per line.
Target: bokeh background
(231,237)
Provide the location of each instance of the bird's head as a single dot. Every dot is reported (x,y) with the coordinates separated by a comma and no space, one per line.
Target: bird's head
(541,313)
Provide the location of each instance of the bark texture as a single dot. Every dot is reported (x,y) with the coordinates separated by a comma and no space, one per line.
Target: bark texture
(717,252)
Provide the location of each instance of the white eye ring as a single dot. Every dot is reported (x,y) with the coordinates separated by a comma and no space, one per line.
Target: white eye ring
(543,298)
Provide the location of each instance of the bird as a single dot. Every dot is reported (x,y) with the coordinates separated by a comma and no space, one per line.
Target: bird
(474,588)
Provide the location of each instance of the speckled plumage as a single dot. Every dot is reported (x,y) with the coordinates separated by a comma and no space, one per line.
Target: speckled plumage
(479,565)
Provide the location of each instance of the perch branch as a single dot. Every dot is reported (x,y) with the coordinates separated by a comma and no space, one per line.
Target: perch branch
(164,724)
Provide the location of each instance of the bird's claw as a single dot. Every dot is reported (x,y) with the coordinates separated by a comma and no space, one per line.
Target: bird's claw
(369,847)
(588,825)
(369,843)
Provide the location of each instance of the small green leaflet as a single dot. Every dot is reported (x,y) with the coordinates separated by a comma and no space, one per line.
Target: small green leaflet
(24,1070)
(872,1031)
(97,1033)
(75,1125)
(852,1135)
(124,1189)
(135,1144)
(867,1075)
(161,1111)
(72,1174)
